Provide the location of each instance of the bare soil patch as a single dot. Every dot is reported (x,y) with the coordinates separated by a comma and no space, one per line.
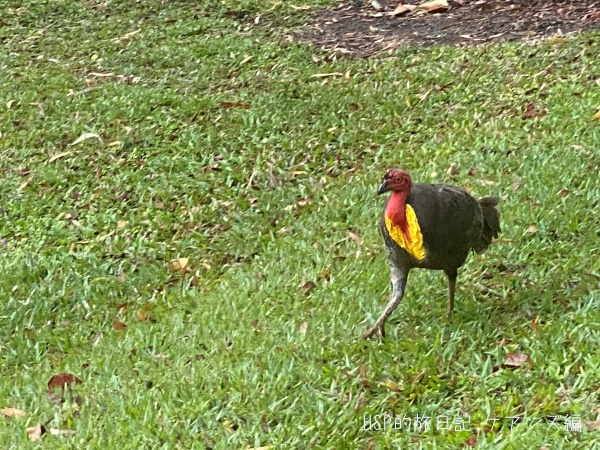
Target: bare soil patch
(357,27)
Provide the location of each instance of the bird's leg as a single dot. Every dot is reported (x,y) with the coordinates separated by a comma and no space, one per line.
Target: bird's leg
(451,287)
(398,278)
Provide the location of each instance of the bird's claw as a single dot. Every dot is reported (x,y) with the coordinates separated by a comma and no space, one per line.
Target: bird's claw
(373,331)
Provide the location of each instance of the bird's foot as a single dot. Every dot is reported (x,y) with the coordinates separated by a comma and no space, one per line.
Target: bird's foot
(373,331)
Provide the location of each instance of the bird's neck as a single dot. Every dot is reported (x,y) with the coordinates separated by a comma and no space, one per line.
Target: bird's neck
(396,211)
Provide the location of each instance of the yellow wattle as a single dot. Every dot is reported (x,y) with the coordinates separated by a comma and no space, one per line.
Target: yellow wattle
(414,246)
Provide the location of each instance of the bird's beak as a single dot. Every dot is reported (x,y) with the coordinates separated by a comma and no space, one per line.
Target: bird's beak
(383,187)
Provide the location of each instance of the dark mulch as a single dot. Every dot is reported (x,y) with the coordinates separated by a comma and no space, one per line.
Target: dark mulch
(357,27)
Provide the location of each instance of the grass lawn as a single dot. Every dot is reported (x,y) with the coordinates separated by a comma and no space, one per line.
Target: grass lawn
(189,226)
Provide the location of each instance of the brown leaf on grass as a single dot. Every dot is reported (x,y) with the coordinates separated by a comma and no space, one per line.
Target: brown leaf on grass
(24,184)
(516,359)
(303,327)
(453,171)
(84,137)
(13,412)
(417,377)
(392,386)
(360,402)
(122,306)
(58,156)
(531,229)
(472,441)
(57,432)
(35,433)
(121,224)
(118,325)
(592,424)
(531,111)
(180,265)
(327,75)
(354,237)
(63,380)
(141,316)
(596,116)
(363,376)
(308,287)
(126,36)
(228,105)
(563,193)
(486,182)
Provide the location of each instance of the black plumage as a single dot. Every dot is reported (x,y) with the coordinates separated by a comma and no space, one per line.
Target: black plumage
(452,224)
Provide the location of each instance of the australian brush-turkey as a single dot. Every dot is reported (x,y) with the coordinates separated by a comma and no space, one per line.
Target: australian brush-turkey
(430,226)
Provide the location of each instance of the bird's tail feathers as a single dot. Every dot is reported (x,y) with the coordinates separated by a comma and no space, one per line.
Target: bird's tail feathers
(491,223)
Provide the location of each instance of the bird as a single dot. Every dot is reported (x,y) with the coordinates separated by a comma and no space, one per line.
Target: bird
(430,226)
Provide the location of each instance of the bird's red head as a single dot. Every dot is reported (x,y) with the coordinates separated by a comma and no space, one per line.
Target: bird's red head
(396,180)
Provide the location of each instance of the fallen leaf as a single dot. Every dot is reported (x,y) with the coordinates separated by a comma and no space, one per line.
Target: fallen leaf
(596,116)
(401,9)
(180,265)
(303,327)
(392,385)
(434,6)
(376,5)
(35,433)
(531,111)
(453,170)
(127,36)
(57,156)
(360,402)
(242,105)
(57,432)
(121,224)
(354,237)
(315,58)
(531,229)
(84,137)
(118,325)
(363,376)
(141,316)
(63,379)
(101,74)
(308,287)
(417,377)
(9,104)
(517,359)
(24,184)
(592,425)
(563,193)
(13,412)
(472,441)
(325,75)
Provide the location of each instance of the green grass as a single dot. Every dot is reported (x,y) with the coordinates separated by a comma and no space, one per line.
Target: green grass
(259,345)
